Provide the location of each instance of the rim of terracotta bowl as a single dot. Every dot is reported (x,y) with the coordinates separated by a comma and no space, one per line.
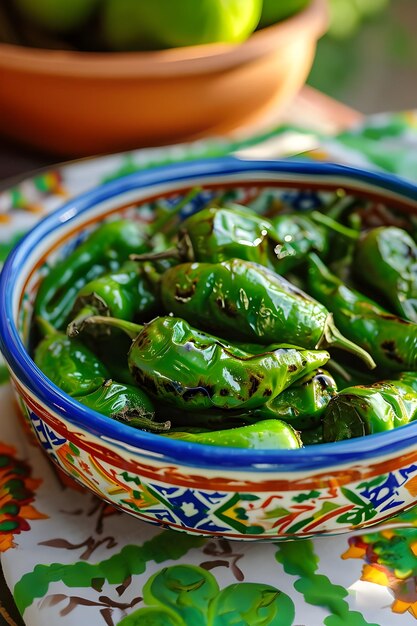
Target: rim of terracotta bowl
(200,59)
(194,454)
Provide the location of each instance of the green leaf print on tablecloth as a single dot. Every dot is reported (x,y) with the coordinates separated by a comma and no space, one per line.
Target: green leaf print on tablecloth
(299,559)
(132,559)
(185,595)
(387,141)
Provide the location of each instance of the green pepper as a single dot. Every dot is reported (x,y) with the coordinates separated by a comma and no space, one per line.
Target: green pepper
(303,403)
(364,410)
(342,243)
(76,370)
(218,234)
(68,363)
(312,436)
(391,340)
(245,300)
(105,249)
(193,370)
(211,419)
(408,378)
(127,294)
(214,235)
(267,434)
(346,375)
(112,349)
(124,403)
(298,235)
(386,259)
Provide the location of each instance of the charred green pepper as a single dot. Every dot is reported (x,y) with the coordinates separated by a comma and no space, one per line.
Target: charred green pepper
(112,349)
(391,340)
(248,301)
(298,235)
(68,363)
(105,249)
(301,405)
(346,375)
(76,370)
(364,410)
(128,294)
(386,259)
(218,234)
(124,403)
(194,370)
(267,434)
(215,235)
(312,436)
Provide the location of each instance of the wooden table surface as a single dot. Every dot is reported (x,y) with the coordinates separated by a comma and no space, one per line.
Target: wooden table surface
(310,109)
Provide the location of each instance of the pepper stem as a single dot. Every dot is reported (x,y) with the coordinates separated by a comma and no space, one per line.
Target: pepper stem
(341,203)
(136,420)
(129,328)
(152,274)
(86,306)
(45,327)
(333,337)
(77,324)
(329,222)
(171,253)
(339,369)
(164,219)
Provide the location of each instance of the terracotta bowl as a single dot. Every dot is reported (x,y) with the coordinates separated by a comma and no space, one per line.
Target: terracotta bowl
(209,490)
(79,103)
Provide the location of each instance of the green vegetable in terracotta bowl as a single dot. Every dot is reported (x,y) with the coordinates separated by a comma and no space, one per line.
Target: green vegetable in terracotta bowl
(60,16)
(159,24)
(276,10)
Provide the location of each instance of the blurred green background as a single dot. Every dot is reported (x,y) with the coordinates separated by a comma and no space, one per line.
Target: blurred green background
(368,59)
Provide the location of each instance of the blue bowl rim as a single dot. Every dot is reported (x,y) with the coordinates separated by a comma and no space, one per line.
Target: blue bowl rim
(177,451)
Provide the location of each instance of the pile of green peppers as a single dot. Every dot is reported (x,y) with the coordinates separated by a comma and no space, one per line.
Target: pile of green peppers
(232,328)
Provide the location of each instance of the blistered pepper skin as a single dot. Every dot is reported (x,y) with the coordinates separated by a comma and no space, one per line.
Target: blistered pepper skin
(243,300)
(194,370)
(74,368)
(267,435)
(364,410)
(214,235)
(298,235)
(247,301)
(125,403)
(127,294)
(70,365)
(391,340)
(105,249)
(303,403)
(386,259)
(119,401)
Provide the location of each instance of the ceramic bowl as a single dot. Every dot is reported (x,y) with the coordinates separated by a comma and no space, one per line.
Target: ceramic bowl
(235,493)
(80,103)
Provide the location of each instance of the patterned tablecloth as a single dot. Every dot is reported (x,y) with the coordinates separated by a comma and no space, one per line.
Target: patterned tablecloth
(68,558)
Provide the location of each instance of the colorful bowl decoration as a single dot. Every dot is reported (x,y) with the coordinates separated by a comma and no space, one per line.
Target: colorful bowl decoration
(239,494)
